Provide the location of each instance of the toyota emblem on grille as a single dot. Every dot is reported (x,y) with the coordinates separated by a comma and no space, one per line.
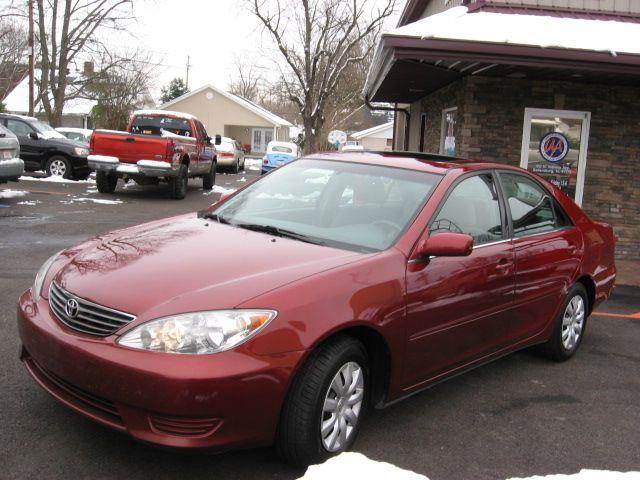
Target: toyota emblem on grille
(71,308)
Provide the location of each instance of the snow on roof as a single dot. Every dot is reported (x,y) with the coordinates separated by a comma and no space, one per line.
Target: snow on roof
(152,112)
(18,101)
(257,109)
(529,30)
(379,129)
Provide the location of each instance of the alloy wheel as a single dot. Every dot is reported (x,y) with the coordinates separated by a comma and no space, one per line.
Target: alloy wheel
(58,168)
(573,322)
(342,407)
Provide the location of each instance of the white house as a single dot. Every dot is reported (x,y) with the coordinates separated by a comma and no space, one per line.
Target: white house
(376,138)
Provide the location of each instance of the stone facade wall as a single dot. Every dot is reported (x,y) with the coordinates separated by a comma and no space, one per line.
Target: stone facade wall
(491,117)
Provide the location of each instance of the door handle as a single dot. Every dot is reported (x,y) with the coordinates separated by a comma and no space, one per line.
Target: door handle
(503,263)
(130,139)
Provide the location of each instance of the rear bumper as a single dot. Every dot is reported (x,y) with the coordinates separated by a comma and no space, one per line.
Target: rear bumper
(147,168)
(227,161)
(11,169)
(212,402)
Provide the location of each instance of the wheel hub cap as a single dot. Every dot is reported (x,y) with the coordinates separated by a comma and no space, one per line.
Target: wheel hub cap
(58,168)
(573,322)
(342,406)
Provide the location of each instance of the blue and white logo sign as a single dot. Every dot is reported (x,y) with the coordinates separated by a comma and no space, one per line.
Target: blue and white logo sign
(554,147)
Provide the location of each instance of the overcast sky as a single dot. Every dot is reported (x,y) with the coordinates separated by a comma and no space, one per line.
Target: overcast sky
(211,32)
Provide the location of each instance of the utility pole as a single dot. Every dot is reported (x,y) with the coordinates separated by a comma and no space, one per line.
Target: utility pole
(31,60)
(188,67)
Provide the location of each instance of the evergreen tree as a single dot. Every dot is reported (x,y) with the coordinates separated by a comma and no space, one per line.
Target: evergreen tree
(175,89)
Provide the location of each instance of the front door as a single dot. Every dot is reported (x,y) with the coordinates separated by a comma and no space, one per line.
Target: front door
(31,149)
(261,139)
(458,307)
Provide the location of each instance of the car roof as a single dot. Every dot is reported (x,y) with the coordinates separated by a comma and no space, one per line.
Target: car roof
(15,115)
(164,113)
(426,162)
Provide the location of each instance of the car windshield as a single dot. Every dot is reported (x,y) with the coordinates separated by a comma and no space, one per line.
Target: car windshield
(155,124)
(352,206)
(46,130)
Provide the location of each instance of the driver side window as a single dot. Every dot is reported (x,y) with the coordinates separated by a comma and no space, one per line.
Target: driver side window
(473,208)
(19,129)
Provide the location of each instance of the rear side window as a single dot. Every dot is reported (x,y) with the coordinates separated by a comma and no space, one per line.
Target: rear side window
(473,208)
(19,129)
(533,210)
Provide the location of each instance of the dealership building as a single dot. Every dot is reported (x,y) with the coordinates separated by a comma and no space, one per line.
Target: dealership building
(551,86)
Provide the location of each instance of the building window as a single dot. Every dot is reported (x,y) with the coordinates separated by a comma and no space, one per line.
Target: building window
(554,146)
(448,136)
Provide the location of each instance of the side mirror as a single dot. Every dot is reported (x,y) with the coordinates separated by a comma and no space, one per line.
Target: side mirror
(207,140)
(218,139)
(34,136)
(446,245)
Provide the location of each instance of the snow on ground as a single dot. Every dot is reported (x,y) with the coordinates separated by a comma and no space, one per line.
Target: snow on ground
(252,163)
(356,465)
(589,475)
(243,179)
(4,194)
(54,180)
(220,190)
(30,202)
(94,200)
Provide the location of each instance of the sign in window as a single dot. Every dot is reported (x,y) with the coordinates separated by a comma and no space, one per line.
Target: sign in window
(554,146)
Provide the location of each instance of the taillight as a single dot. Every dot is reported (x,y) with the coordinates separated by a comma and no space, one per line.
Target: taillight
(225,154)
(265,161)
(171,149)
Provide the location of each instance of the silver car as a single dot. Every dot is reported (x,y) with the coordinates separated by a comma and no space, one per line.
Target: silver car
(11,166)
(230,154)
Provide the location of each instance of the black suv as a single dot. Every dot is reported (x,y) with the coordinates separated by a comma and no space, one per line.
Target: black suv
(43,148)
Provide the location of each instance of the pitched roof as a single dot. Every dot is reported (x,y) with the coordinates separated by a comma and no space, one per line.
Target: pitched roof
(373,130)
(243,102)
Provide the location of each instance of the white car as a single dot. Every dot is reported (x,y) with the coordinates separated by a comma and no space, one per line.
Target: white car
(82,135)
(353,148)
(230,154)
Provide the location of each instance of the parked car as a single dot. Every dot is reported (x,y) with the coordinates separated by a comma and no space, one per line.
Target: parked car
(279,154)
(230,154)
(158,145)
(42,148)
(352,148)
(344,281)
(81,135)
(11,165)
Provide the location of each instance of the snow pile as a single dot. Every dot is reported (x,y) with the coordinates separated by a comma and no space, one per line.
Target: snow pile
(53,179)
(589,475)
(12,193)
(101,201)
(253,163)
(220,190)
(243,179)
(356,465)
(532,30)
(30,202)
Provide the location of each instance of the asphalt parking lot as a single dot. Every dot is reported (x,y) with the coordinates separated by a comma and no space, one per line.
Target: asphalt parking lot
(517,417)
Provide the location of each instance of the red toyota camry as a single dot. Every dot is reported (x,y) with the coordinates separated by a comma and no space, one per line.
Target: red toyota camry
(333,284)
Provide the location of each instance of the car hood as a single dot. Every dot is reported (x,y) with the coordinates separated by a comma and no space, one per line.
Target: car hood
(185,263)
(64,143)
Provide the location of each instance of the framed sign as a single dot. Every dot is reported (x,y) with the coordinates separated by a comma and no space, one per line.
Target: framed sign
(448,132)
(555,145)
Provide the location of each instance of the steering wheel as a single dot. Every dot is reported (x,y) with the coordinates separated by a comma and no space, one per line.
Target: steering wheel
(388,226)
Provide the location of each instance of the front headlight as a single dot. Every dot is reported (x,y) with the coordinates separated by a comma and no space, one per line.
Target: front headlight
(199,332)
(40,276)
(81,152)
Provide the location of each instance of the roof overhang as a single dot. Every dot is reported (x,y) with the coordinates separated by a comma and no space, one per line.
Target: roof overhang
(406,69)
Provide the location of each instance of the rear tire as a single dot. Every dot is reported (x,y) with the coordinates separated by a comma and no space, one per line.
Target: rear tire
(178,184)
(236,168)
(106,182)
(59,166)
(570,326)
(209,179)
(324,408)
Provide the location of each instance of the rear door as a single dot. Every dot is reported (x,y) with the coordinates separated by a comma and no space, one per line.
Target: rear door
(546,246)
(458,307)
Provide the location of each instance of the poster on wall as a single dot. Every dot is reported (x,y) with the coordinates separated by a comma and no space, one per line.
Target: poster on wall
(448,142)
(555,149)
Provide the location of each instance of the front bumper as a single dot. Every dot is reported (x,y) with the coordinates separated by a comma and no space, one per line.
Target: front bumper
(147,168)
(11,168)
(213,402)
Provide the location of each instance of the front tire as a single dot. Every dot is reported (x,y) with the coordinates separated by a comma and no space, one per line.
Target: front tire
(322,414)
(178,184)
(60,167)
(570,326)
(106,182)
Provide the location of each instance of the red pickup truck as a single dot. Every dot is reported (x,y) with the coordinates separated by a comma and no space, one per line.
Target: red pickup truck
(158,146)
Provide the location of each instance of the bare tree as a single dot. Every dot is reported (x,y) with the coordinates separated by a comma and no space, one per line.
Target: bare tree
(67,33)
(13,50)
(248,81)
(318,40)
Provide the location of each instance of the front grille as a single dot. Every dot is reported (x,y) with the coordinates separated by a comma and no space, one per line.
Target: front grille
(184,426)
(86,402)
(90,318)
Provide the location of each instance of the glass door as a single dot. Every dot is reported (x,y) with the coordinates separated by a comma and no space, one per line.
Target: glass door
(555,145)
(257,145)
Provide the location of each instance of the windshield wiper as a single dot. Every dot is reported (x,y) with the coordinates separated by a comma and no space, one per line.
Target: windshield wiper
(213,216)
(279,232)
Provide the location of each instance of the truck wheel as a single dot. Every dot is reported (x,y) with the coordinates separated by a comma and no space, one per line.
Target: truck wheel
(59,166)
(209,179)
(178,184)
(106,182)
(236,168)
